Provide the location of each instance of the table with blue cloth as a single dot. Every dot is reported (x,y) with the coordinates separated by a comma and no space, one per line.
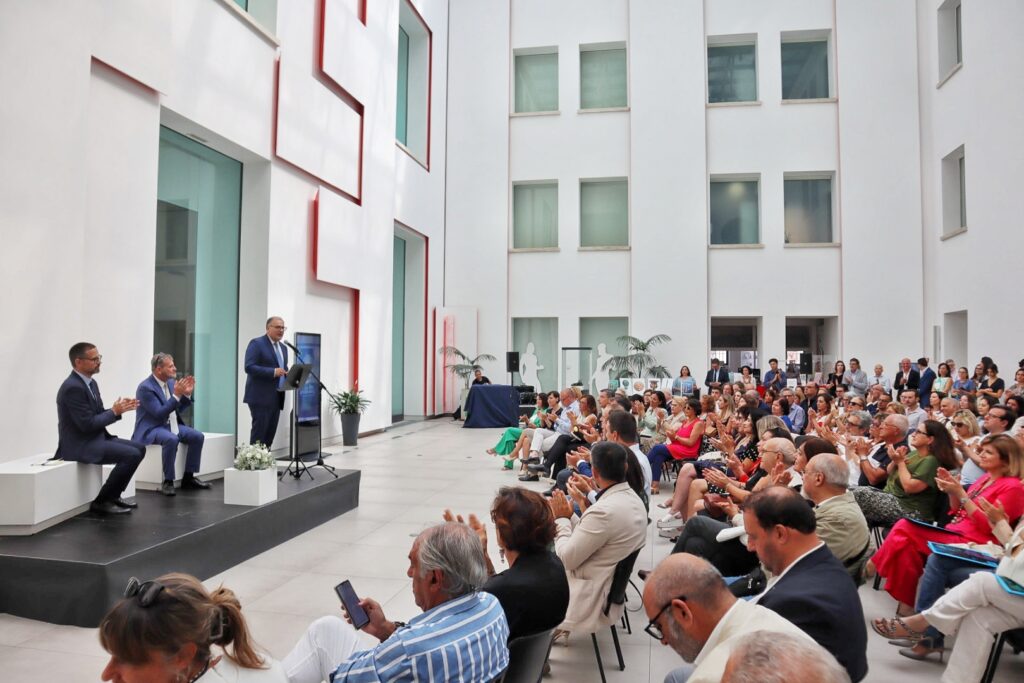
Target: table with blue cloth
(492,405)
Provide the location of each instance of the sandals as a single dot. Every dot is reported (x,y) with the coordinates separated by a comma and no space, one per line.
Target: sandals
(887,628)
(665,504)
(560,635)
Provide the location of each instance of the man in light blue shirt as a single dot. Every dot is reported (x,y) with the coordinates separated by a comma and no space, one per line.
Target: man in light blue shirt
(461,634)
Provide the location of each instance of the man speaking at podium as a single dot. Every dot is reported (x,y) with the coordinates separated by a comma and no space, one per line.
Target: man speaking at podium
(266,364)
(161,401)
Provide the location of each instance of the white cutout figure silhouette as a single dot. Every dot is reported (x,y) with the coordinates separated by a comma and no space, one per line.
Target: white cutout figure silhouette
(529,367)
(600,377)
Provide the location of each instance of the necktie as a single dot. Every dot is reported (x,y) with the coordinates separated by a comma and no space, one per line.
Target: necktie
(173,417)
(280,363)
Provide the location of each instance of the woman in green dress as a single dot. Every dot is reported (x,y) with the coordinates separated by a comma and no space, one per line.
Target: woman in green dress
(507,443)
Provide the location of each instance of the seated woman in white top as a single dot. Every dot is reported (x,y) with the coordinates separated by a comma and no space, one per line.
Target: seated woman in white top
(172,629)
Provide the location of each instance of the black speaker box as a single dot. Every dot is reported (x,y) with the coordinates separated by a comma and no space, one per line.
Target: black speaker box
(512,361)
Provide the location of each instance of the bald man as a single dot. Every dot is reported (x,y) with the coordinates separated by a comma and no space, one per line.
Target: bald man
(692,611)
(766,657)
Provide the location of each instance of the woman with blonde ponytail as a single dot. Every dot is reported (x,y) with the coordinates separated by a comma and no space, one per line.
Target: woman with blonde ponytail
(172,630)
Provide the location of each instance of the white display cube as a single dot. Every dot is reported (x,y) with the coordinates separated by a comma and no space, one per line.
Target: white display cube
(250,487)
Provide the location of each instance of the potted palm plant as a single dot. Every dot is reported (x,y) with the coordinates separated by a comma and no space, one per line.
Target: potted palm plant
(349,405)
(462,366)
(638,361)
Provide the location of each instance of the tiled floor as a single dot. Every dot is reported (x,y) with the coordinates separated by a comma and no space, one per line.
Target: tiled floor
(410,474)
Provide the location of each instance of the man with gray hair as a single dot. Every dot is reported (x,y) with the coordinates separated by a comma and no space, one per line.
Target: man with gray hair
(840,521)
(692,611)
(767,657)
(162,400)
(461,634)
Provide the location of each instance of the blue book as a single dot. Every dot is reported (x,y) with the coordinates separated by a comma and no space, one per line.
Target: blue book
(965,554)
(1010,587)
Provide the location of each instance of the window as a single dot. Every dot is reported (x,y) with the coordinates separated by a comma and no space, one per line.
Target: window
(951,49)
(954,192)
(536,81)
(604,213)
(601,335)
(412,116)
(732,70)
(195,310)
(721,356)
(535,215)
(808,209)
(536,340)
(805,70)
(734,211)
(602,77)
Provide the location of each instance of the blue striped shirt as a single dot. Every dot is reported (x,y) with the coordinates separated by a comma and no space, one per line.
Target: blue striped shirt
(460,640)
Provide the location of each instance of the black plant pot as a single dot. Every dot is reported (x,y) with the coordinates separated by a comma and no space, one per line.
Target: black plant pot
(349,429)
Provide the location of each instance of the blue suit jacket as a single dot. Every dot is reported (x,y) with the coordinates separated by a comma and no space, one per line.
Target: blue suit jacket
(260,383)
(818,596)
(81,421)
(154,410)
(924,389)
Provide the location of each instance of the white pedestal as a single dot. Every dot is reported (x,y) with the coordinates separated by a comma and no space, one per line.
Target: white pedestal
(250,487)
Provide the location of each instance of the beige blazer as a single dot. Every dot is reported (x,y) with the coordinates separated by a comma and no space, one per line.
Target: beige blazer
(590,546)
(744,618)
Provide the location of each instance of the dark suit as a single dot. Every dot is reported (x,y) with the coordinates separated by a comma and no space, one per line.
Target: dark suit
(924,390)
(912,381)
(152,425)
(721,376)
(83,437)
(817,595)
(261,388)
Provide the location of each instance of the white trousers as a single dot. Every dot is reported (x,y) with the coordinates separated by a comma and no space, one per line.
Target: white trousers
(328,642)
(975,610)
(543,440)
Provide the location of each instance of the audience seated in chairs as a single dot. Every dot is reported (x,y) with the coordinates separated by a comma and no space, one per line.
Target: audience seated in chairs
(533,591)
(173,629)
(692,611)
(590,545)
(461,629)
(839,521)
(767,657)
(508,444)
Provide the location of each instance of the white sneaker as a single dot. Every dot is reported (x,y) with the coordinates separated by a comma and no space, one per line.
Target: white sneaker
(672,520)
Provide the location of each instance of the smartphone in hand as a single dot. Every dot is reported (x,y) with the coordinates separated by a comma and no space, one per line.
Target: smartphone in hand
(350,601)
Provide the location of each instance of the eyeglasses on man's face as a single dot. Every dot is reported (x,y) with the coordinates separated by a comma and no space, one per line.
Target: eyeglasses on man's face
(652,629)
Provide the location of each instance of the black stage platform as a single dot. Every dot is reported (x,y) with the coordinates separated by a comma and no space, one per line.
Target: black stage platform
(73,572)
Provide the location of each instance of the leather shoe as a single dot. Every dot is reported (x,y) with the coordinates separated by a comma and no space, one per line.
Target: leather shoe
(536,468)
(194,483)
(529,477)
(167,488)
(106,507)
(126,504)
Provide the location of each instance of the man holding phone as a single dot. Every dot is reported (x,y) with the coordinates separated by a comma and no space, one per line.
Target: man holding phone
(461,634)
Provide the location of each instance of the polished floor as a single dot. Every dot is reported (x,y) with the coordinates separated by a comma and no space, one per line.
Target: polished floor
(410,475)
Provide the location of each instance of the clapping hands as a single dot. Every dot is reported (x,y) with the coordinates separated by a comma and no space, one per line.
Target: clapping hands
(474,523)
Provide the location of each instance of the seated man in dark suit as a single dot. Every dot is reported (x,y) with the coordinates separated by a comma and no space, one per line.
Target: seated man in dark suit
(161,401)
(82,429)
(809,587)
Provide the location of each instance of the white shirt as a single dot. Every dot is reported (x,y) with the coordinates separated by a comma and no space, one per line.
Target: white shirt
(173,417)
(645,465)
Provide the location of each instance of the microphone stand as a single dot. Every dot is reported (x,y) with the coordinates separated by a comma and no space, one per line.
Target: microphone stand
(320,422)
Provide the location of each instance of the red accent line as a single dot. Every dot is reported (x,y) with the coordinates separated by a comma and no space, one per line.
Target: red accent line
(361,12)
(122,74)
(433,368)
(316,233)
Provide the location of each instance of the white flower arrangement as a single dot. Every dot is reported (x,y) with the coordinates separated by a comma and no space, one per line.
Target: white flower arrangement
(253,457)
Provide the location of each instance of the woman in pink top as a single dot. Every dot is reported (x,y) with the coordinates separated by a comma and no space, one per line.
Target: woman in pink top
(684,444)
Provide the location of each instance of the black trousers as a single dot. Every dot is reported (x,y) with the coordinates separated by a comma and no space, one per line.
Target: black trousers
(554,459)
(698,538)
(264,425)
(125,456)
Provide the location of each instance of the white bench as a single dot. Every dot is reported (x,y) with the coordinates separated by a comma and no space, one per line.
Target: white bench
(218,455)
(34,496)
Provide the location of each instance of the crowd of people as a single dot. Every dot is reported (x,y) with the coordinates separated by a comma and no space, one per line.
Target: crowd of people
(767,492)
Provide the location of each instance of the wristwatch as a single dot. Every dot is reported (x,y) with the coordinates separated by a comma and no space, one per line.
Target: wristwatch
(863,458)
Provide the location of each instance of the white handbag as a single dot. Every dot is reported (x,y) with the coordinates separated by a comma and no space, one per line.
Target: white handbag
(1012,565)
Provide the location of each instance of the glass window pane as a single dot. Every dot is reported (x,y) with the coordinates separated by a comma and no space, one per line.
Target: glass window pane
(808,211)
(199,199)
(601,335)
(604,214)
(602,79)
(402,115)
(734,217)
(398,330)
(805,70)
(732,73)
(535,216)
(959,35)
(536,340)
(963,192)
(537,82)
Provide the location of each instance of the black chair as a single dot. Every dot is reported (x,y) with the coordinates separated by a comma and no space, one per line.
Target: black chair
(879,532)
(616,596)
(1014,638)
(526,657)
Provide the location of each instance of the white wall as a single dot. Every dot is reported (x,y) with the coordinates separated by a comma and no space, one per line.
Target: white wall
(78,186)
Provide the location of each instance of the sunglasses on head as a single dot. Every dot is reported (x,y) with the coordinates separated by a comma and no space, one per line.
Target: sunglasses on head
(147,591)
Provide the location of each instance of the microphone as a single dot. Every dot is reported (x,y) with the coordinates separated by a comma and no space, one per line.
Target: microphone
(291,346)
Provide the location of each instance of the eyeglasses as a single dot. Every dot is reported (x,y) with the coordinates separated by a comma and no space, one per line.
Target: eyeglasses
(652,629)
(851,423)
(918,431)
(147,591)
(95,359)
(857,404)
(959,424)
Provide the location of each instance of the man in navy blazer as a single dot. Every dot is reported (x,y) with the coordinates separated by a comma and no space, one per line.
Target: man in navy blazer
(809,586)
(82,429)
(266,364)
(907,378)
(716,376)
(924,389)
(161,402)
